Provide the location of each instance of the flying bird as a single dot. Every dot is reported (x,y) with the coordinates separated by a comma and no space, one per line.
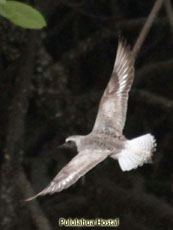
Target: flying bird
(107,139)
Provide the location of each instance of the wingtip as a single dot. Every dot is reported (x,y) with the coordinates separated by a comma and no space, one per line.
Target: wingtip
(121,38)
(124,52)
(123,42)
(32,198)
(48,190)
(42,193)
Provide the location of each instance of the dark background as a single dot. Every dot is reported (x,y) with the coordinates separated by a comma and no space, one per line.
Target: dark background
(51,82)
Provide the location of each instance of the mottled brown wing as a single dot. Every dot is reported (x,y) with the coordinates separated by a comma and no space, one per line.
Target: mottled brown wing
(73,171)
(113,105)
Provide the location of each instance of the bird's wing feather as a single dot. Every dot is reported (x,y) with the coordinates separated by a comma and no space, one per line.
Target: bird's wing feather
(113,104)
(76,168)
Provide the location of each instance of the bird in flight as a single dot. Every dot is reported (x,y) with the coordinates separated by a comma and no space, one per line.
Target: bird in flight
(107,139)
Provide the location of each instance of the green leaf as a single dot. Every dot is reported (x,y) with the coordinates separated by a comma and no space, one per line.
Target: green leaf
(22,15)
(2,1)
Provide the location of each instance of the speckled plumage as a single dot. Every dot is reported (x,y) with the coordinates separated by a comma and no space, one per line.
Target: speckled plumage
(106,138)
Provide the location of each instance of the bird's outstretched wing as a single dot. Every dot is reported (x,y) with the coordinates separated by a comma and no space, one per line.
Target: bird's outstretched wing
(76,168)
(113,104)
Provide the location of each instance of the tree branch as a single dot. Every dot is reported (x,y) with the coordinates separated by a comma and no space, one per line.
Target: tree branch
(10,174)
(89,43)
(147,26)
(35,210)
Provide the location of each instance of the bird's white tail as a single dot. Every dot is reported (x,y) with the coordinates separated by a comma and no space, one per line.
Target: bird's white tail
(137,152)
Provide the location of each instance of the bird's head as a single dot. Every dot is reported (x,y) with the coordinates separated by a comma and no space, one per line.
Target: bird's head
(74,139)
(72,143)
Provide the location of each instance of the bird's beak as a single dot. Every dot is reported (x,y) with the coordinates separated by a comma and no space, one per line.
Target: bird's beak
(62,147)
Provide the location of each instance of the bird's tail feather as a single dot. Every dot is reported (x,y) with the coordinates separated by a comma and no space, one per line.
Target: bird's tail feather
(137,152)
